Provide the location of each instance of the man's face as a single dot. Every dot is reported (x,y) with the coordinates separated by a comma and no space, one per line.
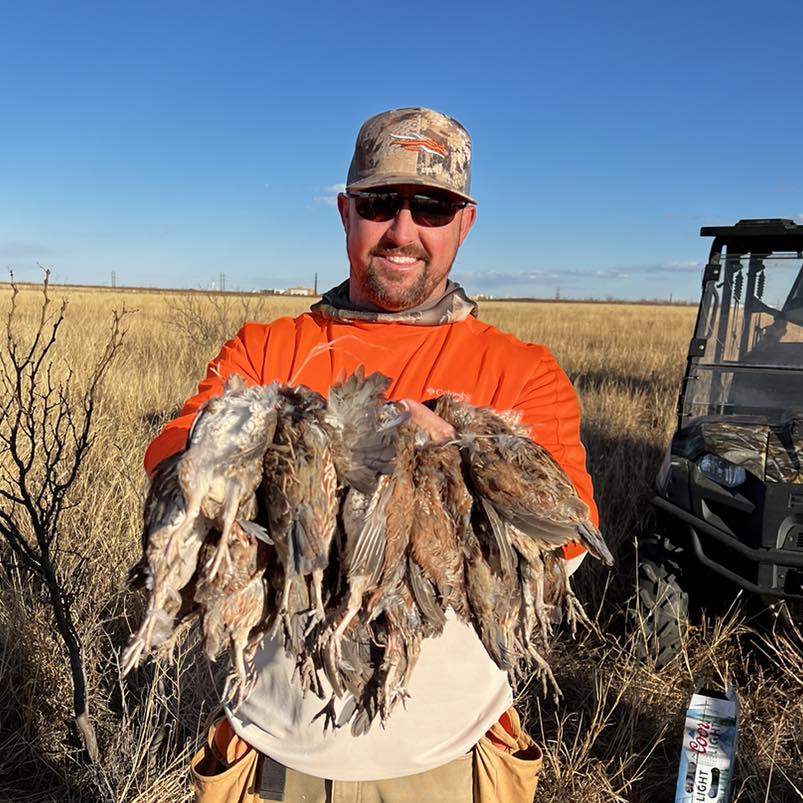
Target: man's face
(397,264)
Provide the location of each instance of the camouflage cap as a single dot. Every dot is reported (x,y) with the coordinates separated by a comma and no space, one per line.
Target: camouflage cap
(412,146)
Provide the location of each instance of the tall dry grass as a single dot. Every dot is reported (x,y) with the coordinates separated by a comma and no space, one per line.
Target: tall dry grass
(614,736)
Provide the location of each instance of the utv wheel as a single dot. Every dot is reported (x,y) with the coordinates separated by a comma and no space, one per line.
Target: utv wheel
(658,612)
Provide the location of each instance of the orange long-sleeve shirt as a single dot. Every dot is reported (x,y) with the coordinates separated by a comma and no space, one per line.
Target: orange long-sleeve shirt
(469,358)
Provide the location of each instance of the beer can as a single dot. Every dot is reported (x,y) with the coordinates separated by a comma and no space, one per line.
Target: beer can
(709,747)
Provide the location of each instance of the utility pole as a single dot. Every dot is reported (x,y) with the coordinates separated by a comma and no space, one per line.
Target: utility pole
(114,278)
(315,285)
(222,282)
(557,294)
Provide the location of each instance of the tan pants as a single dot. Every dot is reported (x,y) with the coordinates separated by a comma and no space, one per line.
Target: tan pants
(489,774)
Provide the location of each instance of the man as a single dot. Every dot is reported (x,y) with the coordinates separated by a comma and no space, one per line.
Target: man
(406,211)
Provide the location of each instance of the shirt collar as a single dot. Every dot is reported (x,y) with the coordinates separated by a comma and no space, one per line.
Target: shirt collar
(453,306)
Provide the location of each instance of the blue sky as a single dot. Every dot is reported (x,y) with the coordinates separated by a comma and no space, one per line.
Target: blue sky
(173,141)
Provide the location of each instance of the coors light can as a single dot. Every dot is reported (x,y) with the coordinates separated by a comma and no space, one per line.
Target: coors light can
(709,748)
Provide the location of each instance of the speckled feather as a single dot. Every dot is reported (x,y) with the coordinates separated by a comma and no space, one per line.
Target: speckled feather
(234,609)
(169,561)
(520,479)
(301,499)
(441,523)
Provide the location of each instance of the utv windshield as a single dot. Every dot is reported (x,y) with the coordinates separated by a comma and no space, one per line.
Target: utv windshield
(748,348)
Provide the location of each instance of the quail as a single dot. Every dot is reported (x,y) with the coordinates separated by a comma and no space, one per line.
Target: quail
(169,560)
(221,468)
(337,523)
(234,608)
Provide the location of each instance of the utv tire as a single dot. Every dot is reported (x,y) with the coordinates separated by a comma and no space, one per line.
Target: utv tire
(658,613)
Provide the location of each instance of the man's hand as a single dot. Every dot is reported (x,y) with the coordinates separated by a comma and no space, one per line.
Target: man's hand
(439,431)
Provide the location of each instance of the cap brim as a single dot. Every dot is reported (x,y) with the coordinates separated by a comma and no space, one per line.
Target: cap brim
(386,181)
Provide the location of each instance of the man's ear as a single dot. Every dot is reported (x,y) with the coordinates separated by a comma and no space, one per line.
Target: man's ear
(467,221)
(344,209)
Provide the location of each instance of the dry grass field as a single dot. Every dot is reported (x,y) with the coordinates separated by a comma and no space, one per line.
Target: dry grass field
(615,736)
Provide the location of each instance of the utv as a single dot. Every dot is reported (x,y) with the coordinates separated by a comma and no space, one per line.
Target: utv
(729,501)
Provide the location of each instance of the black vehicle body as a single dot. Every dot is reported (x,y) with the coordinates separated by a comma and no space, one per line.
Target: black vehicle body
(730,491)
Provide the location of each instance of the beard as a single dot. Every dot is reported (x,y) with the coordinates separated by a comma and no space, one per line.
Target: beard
(388,292)
(389,295)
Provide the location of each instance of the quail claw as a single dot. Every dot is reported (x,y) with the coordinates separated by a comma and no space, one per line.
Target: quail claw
(276,627)
(140,644)
(575,614)
(328,714)
(131,656)
(222,558)
(545,673)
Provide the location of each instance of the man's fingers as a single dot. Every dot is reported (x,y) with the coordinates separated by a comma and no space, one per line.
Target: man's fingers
(436,428)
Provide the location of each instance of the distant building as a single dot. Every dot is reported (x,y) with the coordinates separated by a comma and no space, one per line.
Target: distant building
(299,291)
(483,297)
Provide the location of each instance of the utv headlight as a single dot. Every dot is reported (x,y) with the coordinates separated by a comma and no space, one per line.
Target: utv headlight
(721,471)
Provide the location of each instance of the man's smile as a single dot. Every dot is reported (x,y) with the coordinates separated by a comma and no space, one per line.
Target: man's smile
(396,263)
(397,260)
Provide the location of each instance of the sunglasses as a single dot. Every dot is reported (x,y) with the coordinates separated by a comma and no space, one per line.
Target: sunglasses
(427,210)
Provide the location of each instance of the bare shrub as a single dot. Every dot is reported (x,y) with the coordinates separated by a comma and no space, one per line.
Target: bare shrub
(207,320)
(45,433)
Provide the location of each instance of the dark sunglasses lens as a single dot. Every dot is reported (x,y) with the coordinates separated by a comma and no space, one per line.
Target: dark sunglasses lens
(378,207)
(429,211)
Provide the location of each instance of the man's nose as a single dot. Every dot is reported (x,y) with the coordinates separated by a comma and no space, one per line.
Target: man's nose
(402,229)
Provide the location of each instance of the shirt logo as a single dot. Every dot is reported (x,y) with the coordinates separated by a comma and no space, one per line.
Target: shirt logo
(418,142)
(435,392)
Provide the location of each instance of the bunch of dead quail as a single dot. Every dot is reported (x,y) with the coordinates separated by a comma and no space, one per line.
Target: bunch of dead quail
(336,525)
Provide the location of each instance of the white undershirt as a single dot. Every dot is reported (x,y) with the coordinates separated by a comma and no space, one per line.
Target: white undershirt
(456,694)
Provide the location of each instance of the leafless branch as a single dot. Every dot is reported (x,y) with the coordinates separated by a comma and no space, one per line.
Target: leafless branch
(45,434)
(209,319)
